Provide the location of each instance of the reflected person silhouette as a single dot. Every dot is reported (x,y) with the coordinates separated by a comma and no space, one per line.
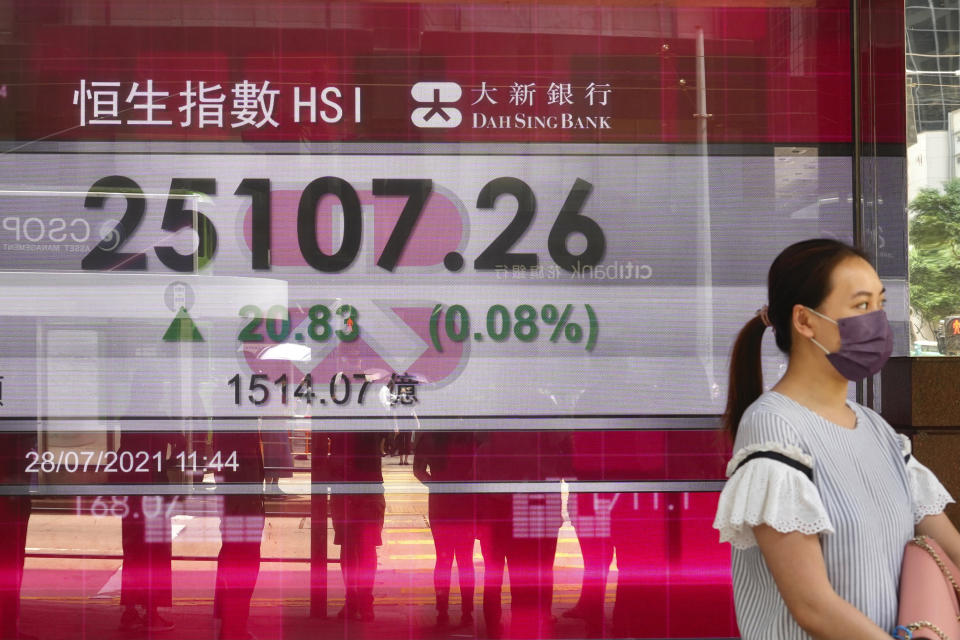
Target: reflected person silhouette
(241,530)
(277,458)
(404,440)
(450,458)
(14,517)
(522,528)
(494,512)
(357,516)
(146,577)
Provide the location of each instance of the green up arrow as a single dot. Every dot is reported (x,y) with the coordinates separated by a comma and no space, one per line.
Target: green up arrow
(183,329)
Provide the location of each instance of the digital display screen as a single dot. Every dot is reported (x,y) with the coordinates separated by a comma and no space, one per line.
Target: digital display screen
(303,304)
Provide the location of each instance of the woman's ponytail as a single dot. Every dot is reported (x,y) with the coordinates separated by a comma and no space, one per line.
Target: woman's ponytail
(746,375)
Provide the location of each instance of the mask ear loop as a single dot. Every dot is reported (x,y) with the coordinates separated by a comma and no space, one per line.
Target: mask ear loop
(825,350)
(814,340)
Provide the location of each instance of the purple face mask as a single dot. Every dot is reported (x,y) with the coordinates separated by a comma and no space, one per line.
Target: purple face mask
(866,343)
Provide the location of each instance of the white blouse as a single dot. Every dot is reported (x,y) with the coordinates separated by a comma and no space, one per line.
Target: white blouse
(860,496)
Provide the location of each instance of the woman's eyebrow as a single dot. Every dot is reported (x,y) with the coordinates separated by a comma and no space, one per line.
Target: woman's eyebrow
(868,293)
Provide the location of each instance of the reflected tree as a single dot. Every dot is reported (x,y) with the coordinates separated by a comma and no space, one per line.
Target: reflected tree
(935,255)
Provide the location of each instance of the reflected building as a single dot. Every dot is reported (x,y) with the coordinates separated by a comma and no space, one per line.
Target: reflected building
(933,93)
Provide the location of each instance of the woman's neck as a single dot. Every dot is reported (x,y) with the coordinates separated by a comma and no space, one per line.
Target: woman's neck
(812,384)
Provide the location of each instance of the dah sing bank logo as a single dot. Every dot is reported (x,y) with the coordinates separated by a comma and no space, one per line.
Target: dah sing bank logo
(517,106)
(439,96)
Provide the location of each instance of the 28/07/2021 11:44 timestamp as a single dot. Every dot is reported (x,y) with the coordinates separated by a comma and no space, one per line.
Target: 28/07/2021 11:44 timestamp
(126,462)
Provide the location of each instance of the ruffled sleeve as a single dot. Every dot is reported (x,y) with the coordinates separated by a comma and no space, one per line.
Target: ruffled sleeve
(928,494)
(771,492)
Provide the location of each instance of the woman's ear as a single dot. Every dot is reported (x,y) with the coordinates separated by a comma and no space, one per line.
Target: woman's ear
(801,321)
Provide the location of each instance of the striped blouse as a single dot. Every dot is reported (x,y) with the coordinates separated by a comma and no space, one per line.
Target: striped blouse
(862,500)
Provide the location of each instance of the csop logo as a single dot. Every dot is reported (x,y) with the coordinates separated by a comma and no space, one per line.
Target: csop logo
(438,98)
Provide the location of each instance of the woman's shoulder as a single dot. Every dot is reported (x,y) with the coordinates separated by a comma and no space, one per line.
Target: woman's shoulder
(773,409)
(772,417)
(772,402)
(881,427)
(870,414)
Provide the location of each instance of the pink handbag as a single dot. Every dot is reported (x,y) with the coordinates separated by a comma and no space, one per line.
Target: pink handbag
(929,607)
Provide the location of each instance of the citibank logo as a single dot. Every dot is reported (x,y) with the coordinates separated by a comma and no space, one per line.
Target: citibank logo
(437,98)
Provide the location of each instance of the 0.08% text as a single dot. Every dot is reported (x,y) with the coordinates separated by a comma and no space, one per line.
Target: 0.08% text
(521,324)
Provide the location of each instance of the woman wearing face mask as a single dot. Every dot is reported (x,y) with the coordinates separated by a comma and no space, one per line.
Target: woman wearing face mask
(822,495)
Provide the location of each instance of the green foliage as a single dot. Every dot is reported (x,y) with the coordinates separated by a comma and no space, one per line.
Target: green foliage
(935,253)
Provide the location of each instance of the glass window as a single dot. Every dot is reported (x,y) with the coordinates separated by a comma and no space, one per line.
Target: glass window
(305,303)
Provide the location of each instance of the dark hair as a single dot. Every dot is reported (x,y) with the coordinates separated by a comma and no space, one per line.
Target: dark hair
(799,275)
